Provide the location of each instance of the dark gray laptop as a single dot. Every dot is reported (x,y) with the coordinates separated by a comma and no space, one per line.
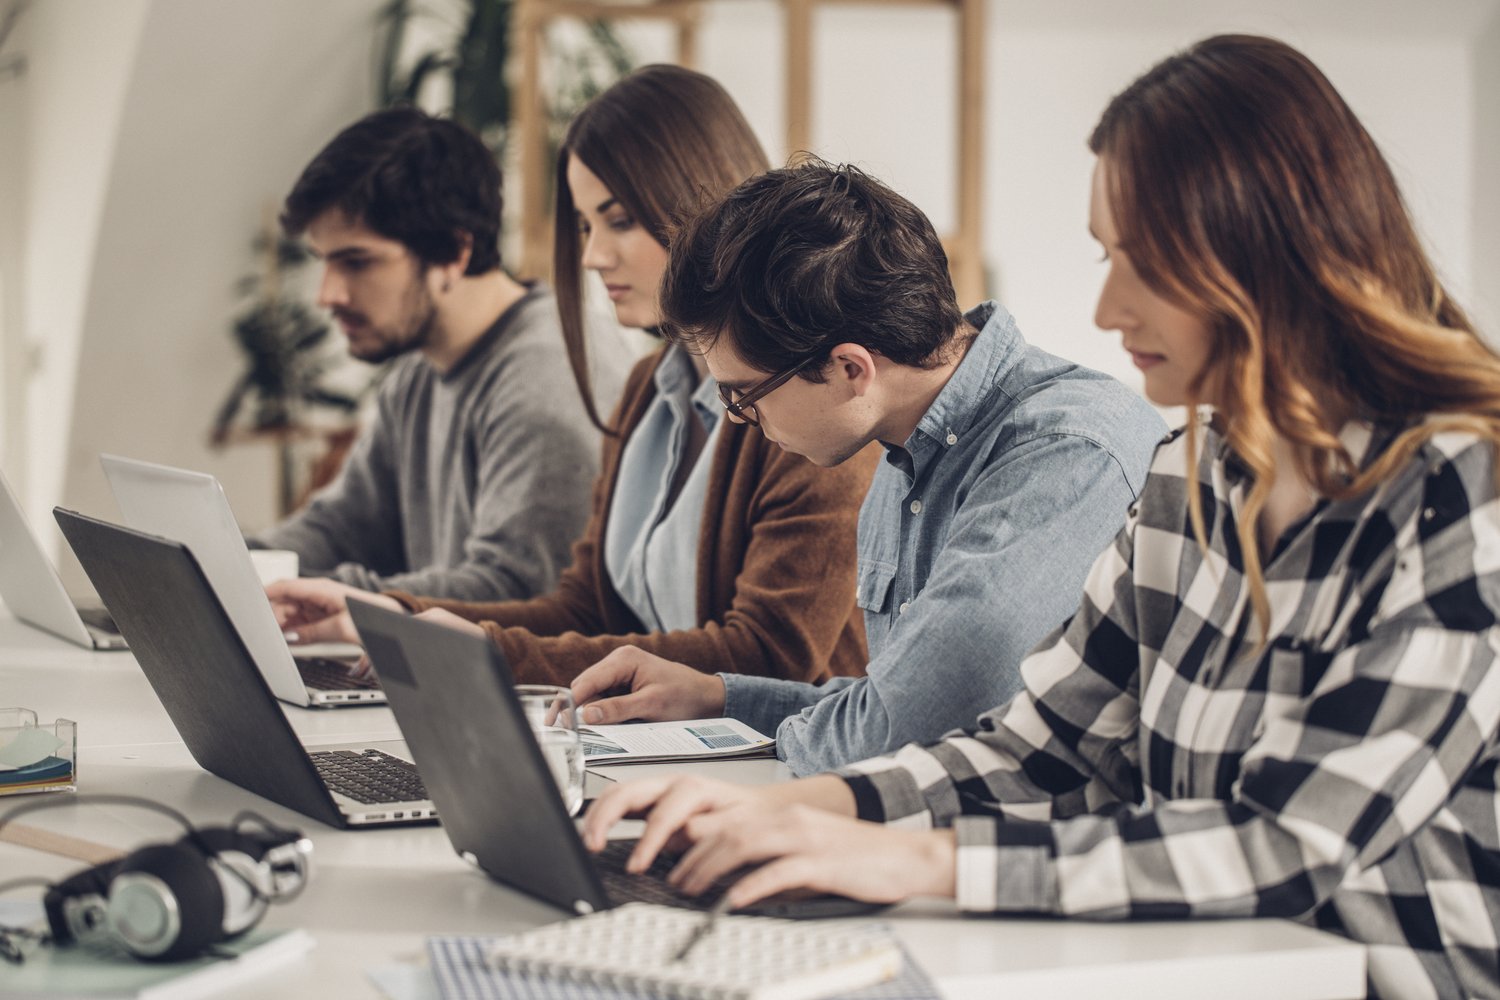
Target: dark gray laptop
(215,695)
(456,705)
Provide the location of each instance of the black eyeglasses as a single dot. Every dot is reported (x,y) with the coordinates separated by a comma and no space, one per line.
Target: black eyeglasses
(741,405)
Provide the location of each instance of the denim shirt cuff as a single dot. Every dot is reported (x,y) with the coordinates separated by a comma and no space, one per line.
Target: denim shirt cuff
(763,702)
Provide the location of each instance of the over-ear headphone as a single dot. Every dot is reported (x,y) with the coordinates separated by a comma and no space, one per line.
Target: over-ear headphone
(164,902)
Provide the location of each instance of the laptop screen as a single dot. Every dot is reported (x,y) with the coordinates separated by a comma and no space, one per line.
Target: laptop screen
(454,701)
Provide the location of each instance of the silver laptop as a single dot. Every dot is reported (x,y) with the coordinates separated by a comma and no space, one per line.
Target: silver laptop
(199,667)
(34,592)
(191,508)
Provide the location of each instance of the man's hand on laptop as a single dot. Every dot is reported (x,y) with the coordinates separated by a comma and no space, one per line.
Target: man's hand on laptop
(313,609)
(631,683)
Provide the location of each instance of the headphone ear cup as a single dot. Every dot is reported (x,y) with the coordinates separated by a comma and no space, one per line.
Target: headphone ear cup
(165,903)
(237,861)
(81,897)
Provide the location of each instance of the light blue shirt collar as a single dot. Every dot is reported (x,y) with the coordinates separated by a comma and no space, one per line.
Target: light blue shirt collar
(967,395)
(676,373)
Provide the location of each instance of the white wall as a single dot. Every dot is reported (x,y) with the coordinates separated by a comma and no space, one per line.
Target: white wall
(1484,300)
(225,103)
(12,208)
(78,59)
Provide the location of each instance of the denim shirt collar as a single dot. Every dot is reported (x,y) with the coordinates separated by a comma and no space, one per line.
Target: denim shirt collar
(675,374)
(966,396)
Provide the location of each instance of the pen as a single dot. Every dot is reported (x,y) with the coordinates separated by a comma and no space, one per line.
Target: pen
(704,926)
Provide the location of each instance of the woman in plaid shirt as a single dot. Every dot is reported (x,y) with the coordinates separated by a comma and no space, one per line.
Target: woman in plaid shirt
(1277,697)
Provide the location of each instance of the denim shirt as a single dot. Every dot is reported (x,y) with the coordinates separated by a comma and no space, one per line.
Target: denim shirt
(651,550)
(974,542)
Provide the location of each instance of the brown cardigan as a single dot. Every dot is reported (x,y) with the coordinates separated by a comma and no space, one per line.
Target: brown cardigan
(776,570)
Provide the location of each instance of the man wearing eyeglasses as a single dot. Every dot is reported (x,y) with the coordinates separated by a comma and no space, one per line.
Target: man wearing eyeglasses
(820,301)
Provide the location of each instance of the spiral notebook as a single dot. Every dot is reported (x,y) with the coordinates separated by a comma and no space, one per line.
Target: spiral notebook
(599,958)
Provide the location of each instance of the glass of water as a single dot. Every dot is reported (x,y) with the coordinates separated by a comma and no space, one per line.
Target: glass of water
(550,712)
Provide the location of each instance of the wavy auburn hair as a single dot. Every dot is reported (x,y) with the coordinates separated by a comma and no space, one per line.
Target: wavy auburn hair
(666,141)
(1247,192)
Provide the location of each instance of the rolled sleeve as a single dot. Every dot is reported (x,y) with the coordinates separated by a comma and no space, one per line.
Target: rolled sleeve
(763,702)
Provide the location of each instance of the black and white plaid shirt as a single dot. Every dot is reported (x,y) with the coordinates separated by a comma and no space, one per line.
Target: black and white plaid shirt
(1158,764)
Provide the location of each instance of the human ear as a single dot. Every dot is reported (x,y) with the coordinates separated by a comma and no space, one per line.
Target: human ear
(455,268)
(854,367)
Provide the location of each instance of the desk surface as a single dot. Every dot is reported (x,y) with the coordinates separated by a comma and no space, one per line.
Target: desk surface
(376,894)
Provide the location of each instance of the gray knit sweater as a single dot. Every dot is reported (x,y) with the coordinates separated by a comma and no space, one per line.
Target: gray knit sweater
(472,484)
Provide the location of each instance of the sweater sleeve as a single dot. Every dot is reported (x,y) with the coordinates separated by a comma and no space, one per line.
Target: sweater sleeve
(793,594)
(574,605)
(531,455)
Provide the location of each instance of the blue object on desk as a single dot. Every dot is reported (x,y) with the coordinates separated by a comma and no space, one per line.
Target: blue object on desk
(46,769)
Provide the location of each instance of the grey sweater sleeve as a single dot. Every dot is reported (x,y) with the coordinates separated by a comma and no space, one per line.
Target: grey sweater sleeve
(533,461)
(487,512)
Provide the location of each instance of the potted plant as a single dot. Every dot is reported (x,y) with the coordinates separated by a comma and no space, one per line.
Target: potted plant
(282,339)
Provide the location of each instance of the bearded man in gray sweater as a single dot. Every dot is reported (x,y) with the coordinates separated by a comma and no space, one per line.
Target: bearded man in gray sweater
(472,478)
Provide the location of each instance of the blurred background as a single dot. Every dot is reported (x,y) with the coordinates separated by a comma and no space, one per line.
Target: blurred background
(145,146)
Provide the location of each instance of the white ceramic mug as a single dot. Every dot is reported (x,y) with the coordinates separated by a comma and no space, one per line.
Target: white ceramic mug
(274,564)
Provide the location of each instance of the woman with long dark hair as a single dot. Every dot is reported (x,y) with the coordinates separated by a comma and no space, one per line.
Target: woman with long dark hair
(707,543)
(1279,696)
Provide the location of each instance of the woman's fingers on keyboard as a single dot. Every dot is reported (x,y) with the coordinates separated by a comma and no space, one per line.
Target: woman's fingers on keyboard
(628,798)
(683,799)
(725,841)
(797,871)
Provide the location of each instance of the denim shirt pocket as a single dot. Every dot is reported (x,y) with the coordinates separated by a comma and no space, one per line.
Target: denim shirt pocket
(874,593)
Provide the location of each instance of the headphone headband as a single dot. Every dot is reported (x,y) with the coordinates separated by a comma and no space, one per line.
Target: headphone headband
(170,901)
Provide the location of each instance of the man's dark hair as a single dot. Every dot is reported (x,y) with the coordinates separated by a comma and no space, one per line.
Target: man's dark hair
(410,177)
(798,260)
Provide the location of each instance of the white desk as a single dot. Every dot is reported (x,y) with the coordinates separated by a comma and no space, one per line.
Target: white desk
(376,894)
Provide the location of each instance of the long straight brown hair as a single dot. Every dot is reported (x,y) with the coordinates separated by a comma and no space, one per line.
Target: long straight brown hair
(1247,192)
(665,141)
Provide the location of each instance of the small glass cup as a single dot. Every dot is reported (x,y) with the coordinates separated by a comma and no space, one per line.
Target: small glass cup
(554,723)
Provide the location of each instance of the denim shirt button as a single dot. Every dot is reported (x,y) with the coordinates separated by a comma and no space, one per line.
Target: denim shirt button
(916,506)
(904,606)
(952,438)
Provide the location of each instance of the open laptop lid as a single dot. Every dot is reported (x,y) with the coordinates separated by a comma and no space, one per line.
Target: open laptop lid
(191,508)
(197,663)
(453,699)
(28,581)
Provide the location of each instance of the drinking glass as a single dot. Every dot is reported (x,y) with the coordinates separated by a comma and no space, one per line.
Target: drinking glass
(550,712)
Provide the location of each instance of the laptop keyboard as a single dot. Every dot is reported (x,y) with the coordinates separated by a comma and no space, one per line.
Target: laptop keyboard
(369,776)
(650,886)
(323,674)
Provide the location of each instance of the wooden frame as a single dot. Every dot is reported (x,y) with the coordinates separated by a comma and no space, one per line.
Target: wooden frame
(530,26)
(964,246)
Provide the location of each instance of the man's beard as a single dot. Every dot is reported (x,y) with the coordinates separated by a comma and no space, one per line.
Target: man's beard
(415,332)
